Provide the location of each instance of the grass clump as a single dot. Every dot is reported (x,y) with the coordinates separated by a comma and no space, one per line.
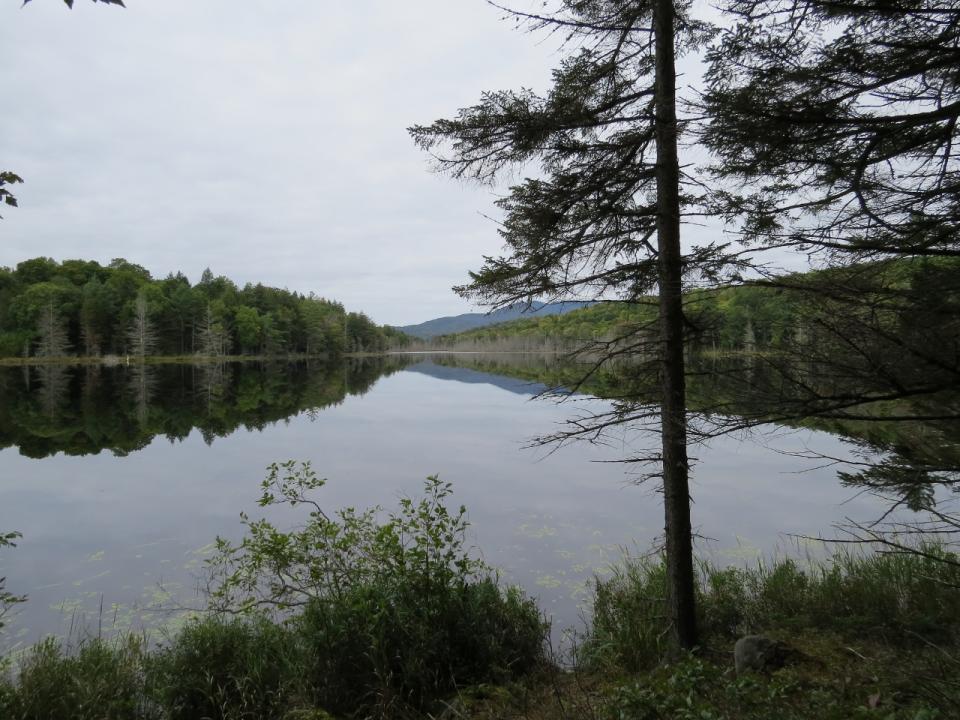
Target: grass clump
(898,595)
(97,680)
(695,688)
(869,635)
(218,667)
(902,597)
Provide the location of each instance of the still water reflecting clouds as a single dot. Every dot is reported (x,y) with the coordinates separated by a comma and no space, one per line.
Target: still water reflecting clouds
(190,452)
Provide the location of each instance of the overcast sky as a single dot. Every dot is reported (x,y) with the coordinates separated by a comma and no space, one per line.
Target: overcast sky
(265,139)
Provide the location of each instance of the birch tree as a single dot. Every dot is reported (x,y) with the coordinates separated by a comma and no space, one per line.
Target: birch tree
(141,336)
(54,341)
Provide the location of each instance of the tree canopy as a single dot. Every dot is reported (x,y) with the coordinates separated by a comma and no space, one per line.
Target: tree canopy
(81,307)
(837,124)
(832,127)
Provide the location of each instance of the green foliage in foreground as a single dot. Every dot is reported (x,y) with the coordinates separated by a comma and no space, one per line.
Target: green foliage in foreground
(228,668)
(697,689)
(875,637)
(395,612)
(387,615)
(872,636)
(373,615)
(95,680)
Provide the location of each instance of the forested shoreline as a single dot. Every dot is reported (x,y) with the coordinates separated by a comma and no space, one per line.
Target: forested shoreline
(80,308)
(766,316)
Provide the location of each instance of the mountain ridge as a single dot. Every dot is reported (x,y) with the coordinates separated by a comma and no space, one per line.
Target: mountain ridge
(469,321)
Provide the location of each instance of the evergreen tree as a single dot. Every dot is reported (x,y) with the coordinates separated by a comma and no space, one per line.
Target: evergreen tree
(69,3)
(603,218)
(838,122)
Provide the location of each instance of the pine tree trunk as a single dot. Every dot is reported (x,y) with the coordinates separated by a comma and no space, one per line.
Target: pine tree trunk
(676,492)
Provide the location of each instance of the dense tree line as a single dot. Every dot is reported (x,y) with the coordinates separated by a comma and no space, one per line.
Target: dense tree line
(79,307)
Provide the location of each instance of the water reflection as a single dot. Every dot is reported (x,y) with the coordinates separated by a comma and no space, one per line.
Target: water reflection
(126,530)
(82,410)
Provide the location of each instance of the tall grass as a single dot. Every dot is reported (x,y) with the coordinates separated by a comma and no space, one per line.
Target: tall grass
(381,652)
(386,647)
(903,597)
(227,668)
(95,680)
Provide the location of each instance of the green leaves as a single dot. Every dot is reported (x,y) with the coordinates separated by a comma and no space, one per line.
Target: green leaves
(395,609)
(8,178)
(841,118)
(8,599)
(421,543)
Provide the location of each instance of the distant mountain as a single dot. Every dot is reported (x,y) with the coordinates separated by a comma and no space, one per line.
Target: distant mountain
(469,321)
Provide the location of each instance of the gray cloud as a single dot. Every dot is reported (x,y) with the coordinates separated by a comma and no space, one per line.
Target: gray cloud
(263,139)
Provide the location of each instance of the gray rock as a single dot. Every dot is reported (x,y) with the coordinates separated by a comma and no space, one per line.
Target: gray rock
(758,653)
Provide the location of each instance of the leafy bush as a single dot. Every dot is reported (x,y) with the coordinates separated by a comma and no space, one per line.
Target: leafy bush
(387,647)
(396,611)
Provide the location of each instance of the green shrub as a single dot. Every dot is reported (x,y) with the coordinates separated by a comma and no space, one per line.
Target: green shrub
(386,647)
(373,615)
(397,612)
(724,598)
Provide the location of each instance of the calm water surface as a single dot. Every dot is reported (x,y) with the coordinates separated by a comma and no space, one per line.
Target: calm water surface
(117,538)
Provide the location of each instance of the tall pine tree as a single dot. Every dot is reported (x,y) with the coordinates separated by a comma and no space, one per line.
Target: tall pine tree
(601,219)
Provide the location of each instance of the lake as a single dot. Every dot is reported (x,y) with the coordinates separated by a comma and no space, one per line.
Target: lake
(121,478)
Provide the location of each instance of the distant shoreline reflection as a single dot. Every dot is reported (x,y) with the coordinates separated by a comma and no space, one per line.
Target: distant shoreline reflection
(117,525)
